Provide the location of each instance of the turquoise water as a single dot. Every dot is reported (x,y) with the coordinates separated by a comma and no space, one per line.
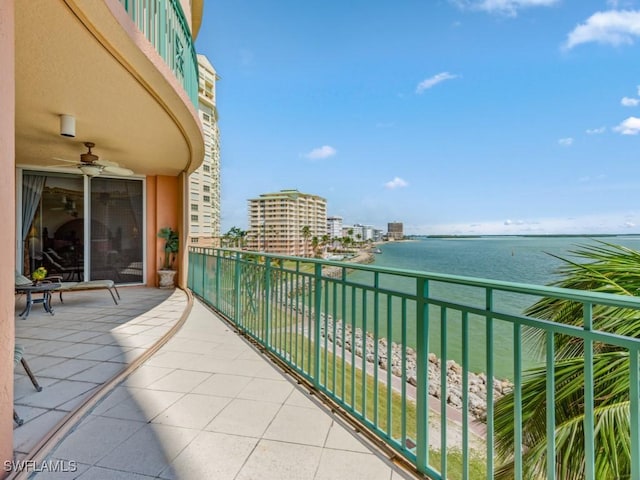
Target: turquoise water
(513,259)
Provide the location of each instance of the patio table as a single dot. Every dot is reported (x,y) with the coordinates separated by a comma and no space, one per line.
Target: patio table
(29,290)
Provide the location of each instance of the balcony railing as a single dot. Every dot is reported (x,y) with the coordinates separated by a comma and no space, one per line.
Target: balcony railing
(165,26)
(379,343)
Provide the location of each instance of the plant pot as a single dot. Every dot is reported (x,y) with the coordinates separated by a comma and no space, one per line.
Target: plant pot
(167,278)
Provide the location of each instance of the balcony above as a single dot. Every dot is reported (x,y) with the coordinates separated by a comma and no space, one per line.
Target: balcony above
(130,84)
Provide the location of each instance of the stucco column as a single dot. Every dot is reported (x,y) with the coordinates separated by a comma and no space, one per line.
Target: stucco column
(7,232)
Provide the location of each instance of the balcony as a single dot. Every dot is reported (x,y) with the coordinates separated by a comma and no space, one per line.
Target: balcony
(420,361)
(164,24)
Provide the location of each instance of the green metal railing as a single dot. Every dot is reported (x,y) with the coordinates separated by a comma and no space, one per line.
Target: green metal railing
(165,26)
(369,337)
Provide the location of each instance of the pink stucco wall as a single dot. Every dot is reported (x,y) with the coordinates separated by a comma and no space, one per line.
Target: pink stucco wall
(7,220)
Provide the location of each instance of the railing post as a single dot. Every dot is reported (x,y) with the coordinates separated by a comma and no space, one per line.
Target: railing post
(634,402)
(317,305)
(422,393)
(589,436)
(204,255)
(238,293)
(267,302)
(162,30)
(218,268)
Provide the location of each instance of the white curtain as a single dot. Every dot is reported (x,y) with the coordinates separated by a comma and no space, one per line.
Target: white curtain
(32,186)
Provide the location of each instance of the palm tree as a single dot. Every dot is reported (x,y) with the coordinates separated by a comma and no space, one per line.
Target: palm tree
(315,243)
(236,235)
(306,233)
(606,268)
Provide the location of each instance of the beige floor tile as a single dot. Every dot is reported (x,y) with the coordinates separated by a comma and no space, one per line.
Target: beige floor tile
(222,385)
(244,417)
(211,456)
(299,425)
(95,438)
(180,381)
(149,450)
(267,390)
(284,461)
(352,465)
(343,438)
(192,411)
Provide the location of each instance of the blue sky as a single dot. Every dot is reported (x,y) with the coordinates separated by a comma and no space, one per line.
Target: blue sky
(451,116)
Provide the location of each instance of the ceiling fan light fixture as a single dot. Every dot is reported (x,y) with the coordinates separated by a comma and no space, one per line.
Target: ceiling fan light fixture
(90,170)
(67,125)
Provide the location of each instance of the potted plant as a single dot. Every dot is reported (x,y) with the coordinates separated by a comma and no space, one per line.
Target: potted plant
(166,275)
(38,275)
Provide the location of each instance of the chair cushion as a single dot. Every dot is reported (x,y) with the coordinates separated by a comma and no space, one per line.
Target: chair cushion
(92,284)
(22,281)
(17,354)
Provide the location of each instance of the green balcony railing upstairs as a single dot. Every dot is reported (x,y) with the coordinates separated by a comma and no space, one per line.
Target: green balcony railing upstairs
(405,353)
(165,26)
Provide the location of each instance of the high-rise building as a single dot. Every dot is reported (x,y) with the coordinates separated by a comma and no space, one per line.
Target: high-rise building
(111,88)
(395,231)
(286,222)
(334,227)
(204,183)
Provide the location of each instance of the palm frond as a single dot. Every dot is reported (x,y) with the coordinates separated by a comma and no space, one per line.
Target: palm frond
(611,416)
(604,268)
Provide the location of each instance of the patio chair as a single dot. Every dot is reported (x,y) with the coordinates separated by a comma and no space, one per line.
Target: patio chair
(54,263)
(18,357)
(90,285)
(74,286)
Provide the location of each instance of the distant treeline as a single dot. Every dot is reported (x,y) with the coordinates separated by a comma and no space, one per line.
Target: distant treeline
(555,235)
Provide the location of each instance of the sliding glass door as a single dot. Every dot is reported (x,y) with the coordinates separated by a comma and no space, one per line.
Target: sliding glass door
(58,215)
(116,230)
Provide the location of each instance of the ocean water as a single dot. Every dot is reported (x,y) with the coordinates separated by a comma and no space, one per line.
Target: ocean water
(527,260)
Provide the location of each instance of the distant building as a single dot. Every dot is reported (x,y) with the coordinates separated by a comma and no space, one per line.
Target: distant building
(365,231)
(334,227)
(204,183)
(395,231)
(277,222)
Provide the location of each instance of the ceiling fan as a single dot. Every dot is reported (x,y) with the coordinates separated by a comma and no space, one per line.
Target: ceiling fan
(91,165)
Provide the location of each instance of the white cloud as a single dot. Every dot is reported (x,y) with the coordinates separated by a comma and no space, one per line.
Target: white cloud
(596,131)
(566,142)
(614,27)
(629,224)
(630,102)
(427,83)
(503,7)
(631,126)
(322,152)
(397,182)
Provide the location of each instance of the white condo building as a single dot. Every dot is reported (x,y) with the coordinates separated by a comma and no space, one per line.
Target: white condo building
(278,221)
(334,227)
(204,183)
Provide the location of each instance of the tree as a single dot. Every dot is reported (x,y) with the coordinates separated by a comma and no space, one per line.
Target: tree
(605,268)
(306,233)
(236,236)
(315,243)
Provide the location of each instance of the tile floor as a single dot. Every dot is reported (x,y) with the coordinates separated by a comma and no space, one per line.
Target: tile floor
(207,405)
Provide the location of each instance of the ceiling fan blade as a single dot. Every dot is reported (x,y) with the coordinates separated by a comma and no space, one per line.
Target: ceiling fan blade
(118,170)
(64,160)
(106,163)
(66,166)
